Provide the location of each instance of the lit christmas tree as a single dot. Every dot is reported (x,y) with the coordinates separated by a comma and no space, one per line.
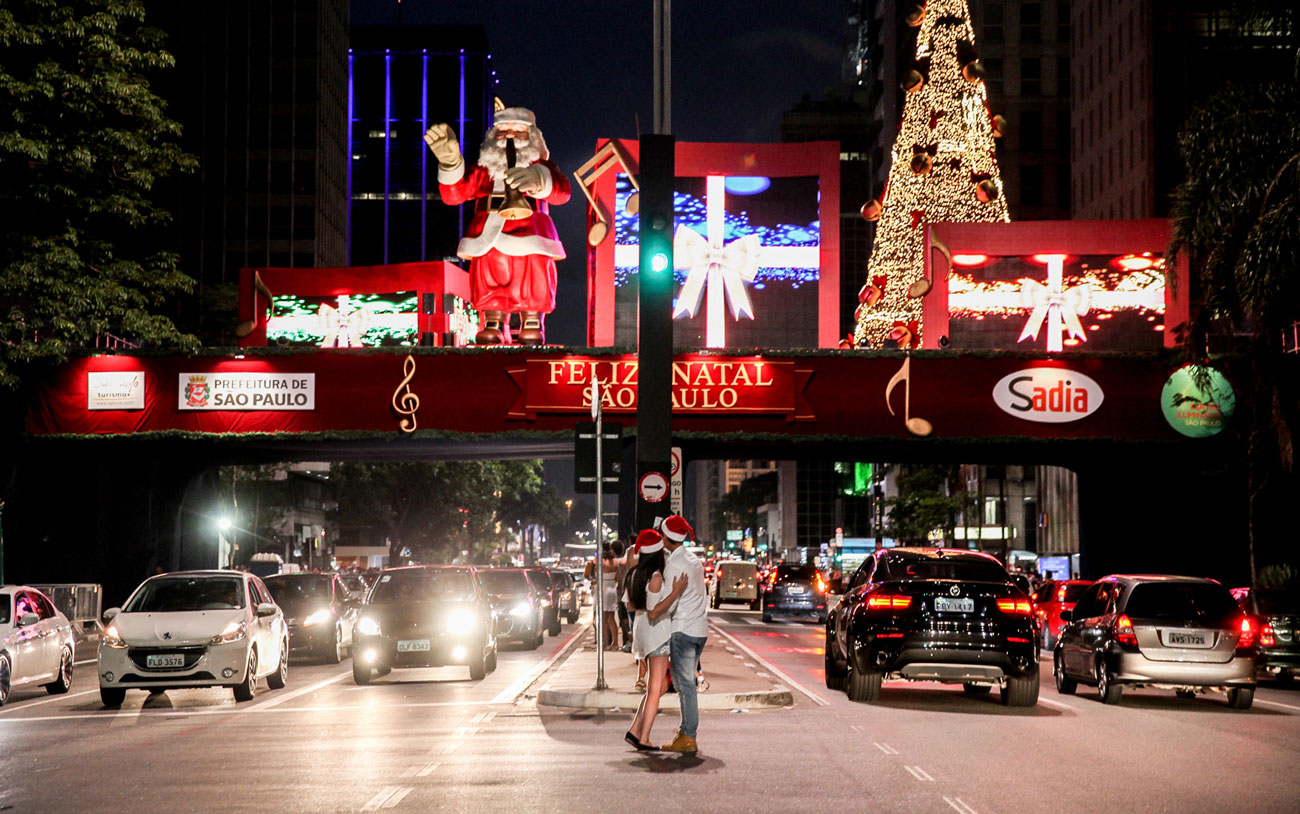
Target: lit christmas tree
(944,170)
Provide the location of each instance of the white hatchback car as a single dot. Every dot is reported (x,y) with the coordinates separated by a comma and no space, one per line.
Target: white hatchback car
(194,629)
(35,642)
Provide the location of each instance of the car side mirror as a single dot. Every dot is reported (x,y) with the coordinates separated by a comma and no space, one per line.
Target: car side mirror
(1067,616)
(111,613)
(266,609)
(28,619)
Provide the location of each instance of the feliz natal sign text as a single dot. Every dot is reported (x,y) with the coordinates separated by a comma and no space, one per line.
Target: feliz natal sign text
(721,385)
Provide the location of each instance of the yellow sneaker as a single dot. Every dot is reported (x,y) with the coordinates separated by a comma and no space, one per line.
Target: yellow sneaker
(681,743)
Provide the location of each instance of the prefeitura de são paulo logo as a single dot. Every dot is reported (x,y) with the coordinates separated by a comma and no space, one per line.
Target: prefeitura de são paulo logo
(196,392)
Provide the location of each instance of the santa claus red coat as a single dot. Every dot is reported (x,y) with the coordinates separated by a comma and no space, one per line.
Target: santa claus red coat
(512,262)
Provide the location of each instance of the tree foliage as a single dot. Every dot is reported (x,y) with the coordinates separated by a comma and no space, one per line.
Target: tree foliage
(927,500)
(738,508)
(83,142)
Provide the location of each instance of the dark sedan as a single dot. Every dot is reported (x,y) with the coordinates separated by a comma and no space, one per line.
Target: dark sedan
(549,595)
(425,616)
(319,611)
(518,606)
(795,590)
(1275,612)
(933,614)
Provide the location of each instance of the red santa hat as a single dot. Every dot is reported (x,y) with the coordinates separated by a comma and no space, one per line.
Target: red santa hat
(514,115)
(676,528)
(649,541)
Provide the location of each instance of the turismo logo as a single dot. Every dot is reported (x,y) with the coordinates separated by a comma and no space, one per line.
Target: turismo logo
(1051,395)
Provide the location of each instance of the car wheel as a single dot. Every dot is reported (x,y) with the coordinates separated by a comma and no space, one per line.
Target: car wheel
(246,689)
(535,642)
(1020,691)
(112,697)
(1107,690)
(360,672)
(1048,641)
(334,653)
(834,673)
(1284,678)
(1241,697)
(64,682)
(767,617)
(572,617)
(280,677)
(6,676)
(864,687)
(492,661)
(1064,684)
(976,689)
(478,666)
(821,620)
(554,629)
(1188,694)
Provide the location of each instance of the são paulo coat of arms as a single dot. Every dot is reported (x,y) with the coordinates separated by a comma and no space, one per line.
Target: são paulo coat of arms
(196,392)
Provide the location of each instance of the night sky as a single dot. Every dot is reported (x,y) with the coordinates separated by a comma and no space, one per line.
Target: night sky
(585,69)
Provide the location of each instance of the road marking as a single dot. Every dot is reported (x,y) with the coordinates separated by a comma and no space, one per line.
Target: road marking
(388,797)
(509,694)
(12,708)
(279,699)
(771,668)
(121,715)
(959,804)
(752,620)
(1276,704)
(919,774)
(85,661)
(430,769)
(1058,704)
(448,748)
(886,748)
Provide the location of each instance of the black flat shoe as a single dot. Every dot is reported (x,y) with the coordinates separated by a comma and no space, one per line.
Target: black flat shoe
(636,743)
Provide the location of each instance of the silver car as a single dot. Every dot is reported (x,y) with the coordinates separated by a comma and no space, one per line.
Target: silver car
(1184,634)
(36,648)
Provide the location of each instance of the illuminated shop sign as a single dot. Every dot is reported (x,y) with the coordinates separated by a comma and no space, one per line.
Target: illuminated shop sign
(1197,401)
(1049,395)
(115,390)
(246,391)
(345,320)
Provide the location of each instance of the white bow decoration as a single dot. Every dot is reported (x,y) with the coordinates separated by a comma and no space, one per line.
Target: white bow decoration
(1060,306)
(736,262)
(342,330)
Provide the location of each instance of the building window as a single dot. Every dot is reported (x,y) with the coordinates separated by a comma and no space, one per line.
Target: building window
(1031,76)
(995,511)
(1031,185)
(1062,76)
(993,22)
(1063,21)
(1031,22)
(993,76)
(1031,130)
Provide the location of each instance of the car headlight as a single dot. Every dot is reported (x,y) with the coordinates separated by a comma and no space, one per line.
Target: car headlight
(232,632)
(546,603)
(322,615)
(461,620)
(521,610)
(111,638)
(368,626)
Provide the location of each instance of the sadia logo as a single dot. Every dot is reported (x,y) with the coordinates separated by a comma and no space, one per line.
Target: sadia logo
(1050,395)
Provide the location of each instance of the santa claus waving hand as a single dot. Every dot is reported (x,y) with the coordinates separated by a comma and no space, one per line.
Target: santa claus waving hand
(511,242)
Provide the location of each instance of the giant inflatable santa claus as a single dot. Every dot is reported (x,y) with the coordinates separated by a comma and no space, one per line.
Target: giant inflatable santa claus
(511,242)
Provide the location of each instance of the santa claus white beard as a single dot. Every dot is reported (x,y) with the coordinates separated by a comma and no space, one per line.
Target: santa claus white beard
(492,155)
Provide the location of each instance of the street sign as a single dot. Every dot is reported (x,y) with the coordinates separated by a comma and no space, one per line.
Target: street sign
(653,487)
(675,475)
(584,455)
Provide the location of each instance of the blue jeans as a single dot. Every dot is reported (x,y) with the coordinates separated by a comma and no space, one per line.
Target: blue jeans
(685,655)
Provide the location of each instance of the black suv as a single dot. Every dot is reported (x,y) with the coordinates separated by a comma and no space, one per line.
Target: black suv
(933,614)
(541,580)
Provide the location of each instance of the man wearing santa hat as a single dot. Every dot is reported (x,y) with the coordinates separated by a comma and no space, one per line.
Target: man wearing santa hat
(690,627)
(511,250)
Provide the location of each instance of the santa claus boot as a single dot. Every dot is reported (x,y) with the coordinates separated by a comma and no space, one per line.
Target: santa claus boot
(532,331)
(496,329)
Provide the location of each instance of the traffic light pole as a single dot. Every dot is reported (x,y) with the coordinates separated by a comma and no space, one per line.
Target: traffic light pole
(597,413)
(655,326)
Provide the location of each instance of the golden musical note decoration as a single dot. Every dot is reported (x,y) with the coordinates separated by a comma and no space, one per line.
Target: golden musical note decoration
(406,403)
(605,158)
(916,426)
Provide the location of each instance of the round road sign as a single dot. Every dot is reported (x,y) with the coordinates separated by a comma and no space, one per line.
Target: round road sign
(653,487)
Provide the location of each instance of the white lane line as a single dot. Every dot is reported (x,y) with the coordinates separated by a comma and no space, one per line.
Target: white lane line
(960,805)
(1276,704)
(448,748)
(12,708)
(279,699)
(430,769)
(85,661)
(751,620)
(489,715)
(509,694)
(919,774)
(763,674)
(382,797)
(120,715)
(1057,704)
(747,663)
(391,802)
(772,669)
(886,748)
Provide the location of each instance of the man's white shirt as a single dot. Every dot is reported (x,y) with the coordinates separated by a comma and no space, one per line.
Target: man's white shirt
(690,614)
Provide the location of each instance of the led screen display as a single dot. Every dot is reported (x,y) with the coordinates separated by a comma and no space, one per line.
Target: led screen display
(344,320)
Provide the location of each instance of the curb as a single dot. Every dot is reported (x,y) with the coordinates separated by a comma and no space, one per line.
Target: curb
(606,699)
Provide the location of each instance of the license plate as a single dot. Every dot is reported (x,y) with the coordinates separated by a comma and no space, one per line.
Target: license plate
(413,646)
(947,604)
(1182,638)
(728,594)
(796,589)
(176,660)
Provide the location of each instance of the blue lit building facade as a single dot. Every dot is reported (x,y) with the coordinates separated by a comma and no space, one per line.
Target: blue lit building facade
(400,81)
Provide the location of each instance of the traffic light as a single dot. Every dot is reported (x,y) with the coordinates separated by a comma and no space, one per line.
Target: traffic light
(656,219)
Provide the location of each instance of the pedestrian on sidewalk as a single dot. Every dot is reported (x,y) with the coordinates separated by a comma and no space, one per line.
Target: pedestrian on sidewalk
(609,596)
(651,596)
(625,596)
(624,553)
(690,627)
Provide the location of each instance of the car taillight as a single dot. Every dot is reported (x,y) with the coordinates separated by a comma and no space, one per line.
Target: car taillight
(1060,594)
(1266,638)
(1013,605)
(821,586)
(1247,637)
(892,601)
(1124,631)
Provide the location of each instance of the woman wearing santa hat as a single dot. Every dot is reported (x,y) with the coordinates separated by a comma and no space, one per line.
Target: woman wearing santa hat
(650,595)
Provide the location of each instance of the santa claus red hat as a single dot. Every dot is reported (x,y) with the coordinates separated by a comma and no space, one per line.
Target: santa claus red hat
(676,528)
(649,541)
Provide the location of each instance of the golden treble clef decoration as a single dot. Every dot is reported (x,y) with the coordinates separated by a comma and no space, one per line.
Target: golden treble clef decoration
(405,402)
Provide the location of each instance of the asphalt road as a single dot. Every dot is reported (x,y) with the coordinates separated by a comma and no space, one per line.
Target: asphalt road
(432,740)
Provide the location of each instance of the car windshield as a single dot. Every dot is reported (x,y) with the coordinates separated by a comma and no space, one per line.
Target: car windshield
(295,590)
(503,582)
(1197,602)
(422,585)
(1072,592)
(972,569)
(1275,601)
(4,609)
(176,594)
(796,571)
(541,579)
